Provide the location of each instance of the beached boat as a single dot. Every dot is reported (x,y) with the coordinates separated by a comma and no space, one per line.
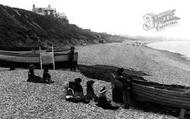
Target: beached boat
(168,95)
(23,58)
(174,96)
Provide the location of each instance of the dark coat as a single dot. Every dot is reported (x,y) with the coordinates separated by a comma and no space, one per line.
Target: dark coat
(31,73)
(46,77)
(78,90)
(117,91)
(103,102)
(90,93)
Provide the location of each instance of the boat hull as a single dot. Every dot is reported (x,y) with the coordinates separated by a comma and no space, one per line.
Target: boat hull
(172,98)
(23,59)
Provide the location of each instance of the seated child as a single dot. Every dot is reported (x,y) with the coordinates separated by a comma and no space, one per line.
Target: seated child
(103,102)
(32,77)
(46,76)
(69,92)
(73,95)
(90,91)
(31,73)
(78,88)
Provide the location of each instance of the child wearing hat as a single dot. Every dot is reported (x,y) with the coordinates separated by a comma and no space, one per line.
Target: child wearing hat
(103,102)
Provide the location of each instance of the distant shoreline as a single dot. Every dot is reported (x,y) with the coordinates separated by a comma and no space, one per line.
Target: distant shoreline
(180,58)
(181,52)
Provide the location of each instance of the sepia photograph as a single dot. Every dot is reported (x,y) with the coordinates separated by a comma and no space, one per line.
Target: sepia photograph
(94,59)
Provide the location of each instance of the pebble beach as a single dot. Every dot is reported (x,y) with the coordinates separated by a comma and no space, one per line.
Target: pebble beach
(23,100)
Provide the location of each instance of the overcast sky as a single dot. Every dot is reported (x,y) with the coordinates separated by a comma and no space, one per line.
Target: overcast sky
(116,16)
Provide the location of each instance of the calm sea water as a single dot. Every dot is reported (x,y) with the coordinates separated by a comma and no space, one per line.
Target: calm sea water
(182,47)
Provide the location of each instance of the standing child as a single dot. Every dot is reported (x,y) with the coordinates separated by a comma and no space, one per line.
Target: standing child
(121,89)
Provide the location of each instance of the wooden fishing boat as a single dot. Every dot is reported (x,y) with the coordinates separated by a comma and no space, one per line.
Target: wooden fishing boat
(174,96)
(171,95)
(168,95)
(23,58)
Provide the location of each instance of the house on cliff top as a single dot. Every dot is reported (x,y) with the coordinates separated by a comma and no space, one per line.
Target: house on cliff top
(44,11)
(49,11)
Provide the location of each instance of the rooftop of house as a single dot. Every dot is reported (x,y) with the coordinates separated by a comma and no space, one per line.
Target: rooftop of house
(47,8)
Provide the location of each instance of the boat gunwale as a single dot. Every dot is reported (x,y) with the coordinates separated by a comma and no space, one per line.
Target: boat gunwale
(173,98)
(180,97)
(32,55)
(172,87)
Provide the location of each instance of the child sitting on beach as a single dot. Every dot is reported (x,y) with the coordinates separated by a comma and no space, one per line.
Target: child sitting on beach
(90,91)
(78,88)
(74,92)
(103,102)
(31,73)
(32,77)
(47,76)
(69,92)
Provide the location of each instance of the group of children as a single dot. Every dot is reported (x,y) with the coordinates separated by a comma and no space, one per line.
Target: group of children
(74,93)
(37,79)
(121,89)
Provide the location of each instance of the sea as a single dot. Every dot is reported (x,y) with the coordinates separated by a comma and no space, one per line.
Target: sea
(181,47)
